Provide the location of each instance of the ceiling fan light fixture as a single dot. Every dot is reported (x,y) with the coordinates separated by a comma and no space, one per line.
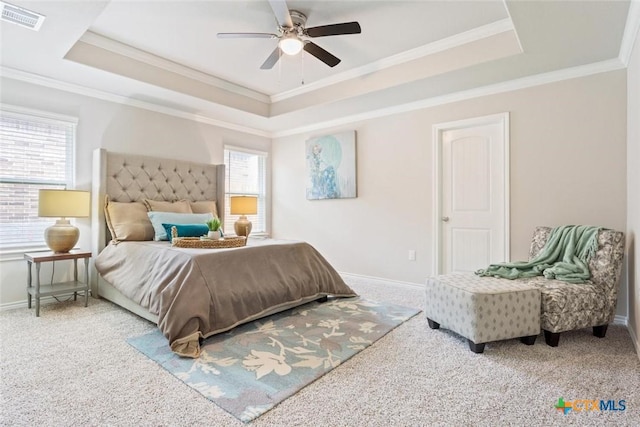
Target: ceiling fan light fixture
(290,45)
(294,36)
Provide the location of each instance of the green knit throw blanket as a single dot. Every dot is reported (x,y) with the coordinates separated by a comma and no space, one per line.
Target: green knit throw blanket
(564,257)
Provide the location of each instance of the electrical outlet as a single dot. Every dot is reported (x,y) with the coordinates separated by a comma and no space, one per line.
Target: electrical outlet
(412,255)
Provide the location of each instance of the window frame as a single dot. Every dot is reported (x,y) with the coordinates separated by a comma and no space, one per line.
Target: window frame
(23,113)
(263,202)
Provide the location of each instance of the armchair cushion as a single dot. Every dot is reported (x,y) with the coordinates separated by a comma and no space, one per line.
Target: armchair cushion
(566,306)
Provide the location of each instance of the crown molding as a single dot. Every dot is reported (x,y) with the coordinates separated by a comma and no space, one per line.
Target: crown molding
(118,99)
(479,33)
(114,46)
(517,84)
(506,8)
(630,32)
(522,83)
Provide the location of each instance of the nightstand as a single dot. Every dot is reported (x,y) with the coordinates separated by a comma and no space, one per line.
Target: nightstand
(54,289)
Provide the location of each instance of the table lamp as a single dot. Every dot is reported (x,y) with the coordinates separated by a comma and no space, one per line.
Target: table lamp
(243,206)
(62,236)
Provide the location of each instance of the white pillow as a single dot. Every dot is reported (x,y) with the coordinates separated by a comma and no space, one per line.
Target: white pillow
(158,218)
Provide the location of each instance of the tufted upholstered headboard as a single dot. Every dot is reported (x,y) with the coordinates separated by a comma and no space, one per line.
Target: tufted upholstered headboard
(132,178)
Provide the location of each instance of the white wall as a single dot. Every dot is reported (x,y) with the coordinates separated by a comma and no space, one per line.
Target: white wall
(119,128)
(568,166)
(633,191)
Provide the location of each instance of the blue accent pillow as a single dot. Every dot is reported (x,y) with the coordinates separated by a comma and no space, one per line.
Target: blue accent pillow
(187,230)
(158,218)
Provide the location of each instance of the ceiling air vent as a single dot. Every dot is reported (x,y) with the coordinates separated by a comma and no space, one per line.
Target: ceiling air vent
(23,17)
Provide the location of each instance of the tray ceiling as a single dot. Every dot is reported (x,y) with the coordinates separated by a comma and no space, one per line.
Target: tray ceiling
(166,53)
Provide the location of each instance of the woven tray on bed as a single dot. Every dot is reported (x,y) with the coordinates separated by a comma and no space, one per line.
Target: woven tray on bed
(197,243)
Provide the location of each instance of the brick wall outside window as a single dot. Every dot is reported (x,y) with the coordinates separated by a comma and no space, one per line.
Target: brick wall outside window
(36,151)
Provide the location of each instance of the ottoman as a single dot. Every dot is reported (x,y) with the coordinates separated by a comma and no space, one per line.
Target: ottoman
(483,309)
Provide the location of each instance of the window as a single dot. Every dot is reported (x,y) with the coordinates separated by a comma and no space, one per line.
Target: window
(36,151)
(246,176)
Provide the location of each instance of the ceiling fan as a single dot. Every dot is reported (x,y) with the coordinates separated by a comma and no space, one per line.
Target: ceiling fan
(293,34)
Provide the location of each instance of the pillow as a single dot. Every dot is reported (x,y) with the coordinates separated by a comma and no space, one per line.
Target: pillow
(186,230)
(204,207)
(159,218)
(128,220)
(179,206)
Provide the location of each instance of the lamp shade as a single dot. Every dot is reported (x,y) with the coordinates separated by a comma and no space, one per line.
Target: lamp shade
(63,203)
(244,205)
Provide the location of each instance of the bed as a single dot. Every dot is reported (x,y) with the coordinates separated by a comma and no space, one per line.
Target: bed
(190,293)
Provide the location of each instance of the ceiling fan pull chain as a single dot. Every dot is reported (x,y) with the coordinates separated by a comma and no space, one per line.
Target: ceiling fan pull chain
(279,68)
(302,67)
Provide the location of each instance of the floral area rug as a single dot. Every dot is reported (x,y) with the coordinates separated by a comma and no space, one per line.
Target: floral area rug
(250,369)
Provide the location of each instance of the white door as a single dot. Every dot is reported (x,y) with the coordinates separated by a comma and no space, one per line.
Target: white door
(471,206)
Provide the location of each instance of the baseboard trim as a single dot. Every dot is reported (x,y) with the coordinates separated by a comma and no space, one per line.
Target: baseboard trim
(380,279)
(43,301)
(621,320)
(634,339)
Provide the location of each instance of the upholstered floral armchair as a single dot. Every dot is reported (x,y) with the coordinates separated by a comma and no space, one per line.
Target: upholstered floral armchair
(567,306)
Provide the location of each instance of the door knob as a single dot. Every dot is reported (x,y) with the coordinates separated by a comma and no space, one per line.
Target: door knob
(445,219)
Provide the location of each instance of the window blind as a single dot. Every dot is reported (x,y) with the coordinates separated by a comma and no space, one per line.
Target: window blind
(246,176)
(36,152)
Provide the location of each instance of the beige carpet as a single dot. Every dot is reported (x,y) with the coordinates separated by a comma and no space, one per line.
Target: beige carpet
(72,367)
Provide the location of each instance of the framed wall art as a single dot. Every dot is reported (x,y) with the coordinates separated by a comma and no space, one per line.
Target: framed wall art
(331,166)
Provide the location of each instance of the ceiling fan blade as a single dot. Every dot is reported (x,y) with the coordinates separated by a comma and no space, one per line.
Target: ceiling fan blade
(271,60)
(321,54)
(247,36)
(281,11)
(334,29)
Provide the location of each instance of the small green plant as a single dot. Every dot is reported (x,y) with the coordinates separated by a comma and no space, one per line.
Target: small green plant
(214,224)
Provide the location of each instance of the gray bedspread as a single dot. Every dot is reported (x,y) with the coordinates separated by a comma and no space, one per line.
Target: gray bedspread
(201,292)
